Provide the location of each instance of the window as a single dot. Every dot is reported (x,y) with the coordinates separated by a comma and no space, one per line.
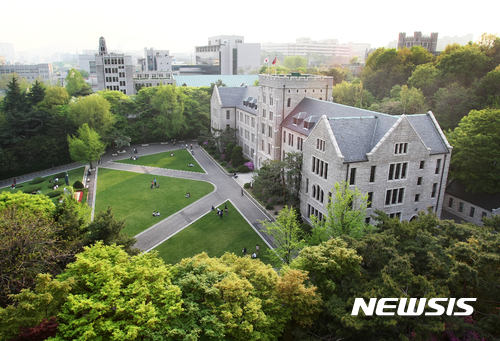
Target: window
(370,200)
(264,113)
(417,197)
(253,122)
(288,102)
(263,128)
(317,193)
(450,202)
(434,188)
(352,178)
(422,164)
(264,98)
(241,116)
(419,181)
(262,145)
(367,220)
(228,115)
(438,165)
(461,207)
(472,211)
(395,215)
(372,173)
(270,100)
(300,142)
(253,139)
(401,148)
(307,185)
(270,115)
(269,148)
(270,131)
(483,215)
(320,144)
(397,171)
(313,211)
(284,136)
(394,196)
(319,167)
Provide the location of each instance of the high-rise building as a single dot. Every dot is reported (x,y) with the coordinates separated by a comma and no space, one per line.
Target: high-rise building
(230,53)
(7,50)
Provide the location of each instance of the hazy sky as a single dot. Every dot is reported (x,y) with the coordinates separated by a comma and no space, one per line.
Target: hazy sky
(178,26)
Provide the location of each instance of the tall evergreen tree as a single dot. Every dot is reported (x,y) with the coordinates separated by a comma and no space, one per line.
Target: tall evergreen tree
(36,94)
(15,100)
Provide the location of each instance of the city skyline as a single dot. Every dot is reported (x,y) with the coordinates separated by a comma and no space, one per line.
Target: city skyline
(129,28)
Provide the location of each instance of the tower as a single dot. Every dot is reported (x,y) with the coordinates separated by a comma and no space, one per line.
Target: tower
(102,46)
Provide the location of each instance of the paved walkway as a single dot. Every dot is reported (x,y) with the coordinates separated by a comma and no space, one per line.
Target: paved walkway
(226,188)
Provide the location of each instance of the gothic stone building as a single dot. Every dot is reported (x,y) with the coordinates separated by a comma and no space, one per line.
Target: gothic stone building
(401,162)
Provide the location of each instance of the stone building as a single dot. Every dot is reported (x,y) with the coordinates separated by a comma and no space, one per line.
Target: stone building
(427,42)
(31,72)
(401,162)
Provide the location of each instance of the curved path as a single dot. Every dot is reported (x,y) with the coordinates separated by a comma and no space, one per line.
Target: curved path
(226,188)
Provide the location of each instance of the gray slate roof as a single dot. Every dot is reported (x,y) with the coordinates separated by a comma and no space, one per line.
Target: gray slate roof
(357,130)
(207,80)
(234,97)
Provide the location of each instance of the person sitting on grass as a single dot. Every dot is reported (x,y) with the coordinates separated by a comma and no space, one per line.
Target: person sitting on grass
(254,255)
(172,154)
(188,195)
(190,165)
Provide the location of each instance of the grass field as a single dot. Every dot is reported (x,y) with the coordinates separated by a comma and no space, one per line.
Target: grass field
(74,174)
(214,236)
(180,161)
(131,197)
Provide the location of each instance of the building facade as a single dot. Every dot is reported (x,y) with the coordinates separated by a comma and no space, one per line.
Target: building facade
(230,53)
(43,71)
(400,162)
(114,71)
(427,42)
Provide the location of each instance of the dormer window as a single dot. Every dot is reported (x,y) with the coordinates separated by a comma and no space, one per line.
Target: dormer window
(295,120)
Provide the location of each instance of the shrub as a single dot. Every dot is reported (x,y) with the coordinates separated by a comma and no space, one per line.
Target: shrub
(250,166)
(270,206)
(298,214)
(37,180)
(237,156)
(223,163)
(78,184)
(211,151)
(30,189)
(229,150)
(217,157)
(243,169)
(246,185)
(60,175)
(55,193)
(231,170)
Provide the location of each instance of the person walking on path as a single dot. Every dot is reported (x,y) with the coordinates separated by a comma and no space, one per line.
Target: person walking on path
(191,146)
(154,180)
(227,213)
(244,251)
(221,214)
(257,247)
(152,184)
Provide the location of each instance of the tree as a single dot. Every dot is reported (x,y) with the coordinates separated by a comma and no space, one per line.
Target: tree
(94,111)
(286,234)
(117,297)
(240,298)
(74,82)
(105,228)
(54,97)
(352,94)
(30,246)
(168,103)
(15,100)
(237,158)
(36,94)
(293,175)
(488,89)
(268,184)
(37,204)
(476,151)
(424,75)
(346,213)
(87,147)
(295,62)
(452,104)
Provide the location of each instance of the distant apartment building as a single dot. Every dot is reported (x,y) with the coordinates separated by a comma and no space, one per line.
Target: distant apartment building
(7,50)
(42,71)
(230,53)
(328,47)
(427,42)
(445,41)
(2,60)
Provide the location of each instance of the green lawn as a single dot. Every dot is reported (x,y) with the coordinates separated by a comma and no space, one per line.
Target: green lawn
(131,197)
(214,236)
(180,161)
(46,186)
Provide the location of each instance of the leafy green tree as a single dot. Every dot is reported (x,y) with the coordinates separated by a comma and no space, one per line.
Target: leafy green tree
(168,102)
(237,158)
(38,204)
(72,217)
(240,298)
(105,228)
(293,176)
(30,246)
(424,75)
(117,297)
(338,75)
(87,147)
(295,62)
(54,96)
(476,151)
(94,111)
(346,213)
(286,235)
(74,82)
(452,104)
(488,89)
(463,64)
(268,183)
(196,110)
(352,94)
